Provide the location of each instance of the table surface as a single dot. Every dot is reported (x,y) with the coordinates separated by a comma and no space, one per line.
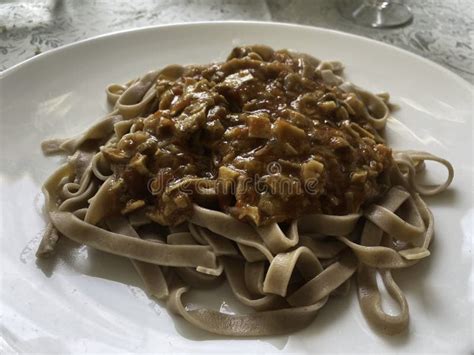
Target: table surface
(442,30)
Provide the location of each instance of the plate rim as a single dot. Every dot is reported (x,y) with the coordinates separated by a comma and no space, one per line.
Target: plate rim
(10,71)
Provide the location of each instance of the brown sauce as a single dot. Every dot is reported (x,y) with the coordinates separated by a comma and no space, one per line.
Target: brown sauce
(259,136)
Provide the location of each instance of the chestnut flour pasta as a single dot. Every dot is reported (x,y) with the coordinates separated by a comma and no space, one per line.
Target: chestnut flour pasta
(268,171)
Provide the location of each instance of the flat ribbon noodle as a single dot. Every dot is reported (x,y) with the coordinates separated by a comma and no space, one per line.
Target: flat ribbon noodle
(328,224)
(229,227)
(151,274)
(235,273)
(369,294)
(99,166)
(100,203)
(264,323)
(251,254)
(374,109)
(371,302)
(276,240)
(114,91)
(322,249)
(199,277)
(220,246)
(282,266)
(101,130)
(326,281)
(80,200)
(136,98)
(371,254)
(412,162)
(186,238)
(133,248)
(254,274)
(52,146)
(287,276)
(50,186)
(48,242)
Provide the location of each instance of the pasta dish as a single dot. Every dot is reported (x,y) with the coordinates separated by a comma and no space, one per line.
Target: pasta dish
(268,171)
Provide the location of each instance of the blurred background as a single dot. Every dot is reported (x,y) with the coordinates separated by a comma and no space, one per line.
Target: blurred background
(440,30)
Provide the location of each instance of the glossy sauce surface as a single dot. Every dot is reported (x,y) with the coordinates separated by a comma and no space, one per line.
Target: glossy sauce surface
(260,136)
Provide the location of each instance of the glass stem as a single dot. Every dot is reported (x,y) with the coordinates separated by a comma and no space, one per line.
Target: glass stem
(377,3)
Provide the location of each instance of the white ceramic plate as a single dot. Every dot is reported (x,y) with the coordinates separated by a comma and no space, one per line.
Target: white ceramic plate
(88,301)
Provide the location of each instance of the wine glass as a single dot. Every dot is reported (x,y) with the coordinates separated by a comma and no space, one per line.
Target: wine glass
(376,13)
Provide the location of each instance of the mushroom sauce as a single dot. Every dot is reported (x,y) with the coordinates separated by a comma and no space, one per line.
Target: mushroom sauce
(260,136)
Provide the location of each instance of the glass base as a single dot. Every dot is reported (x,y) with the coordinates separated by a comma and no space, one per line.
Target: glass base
(384,14)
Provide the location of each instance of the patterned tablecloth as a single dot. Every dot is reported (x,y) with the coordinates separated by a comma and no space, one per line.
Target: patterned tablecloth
(442,30)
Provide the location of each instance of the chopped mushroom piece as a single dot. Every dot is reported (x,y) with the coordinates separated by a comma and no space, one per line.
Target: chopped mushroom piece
(259,126)
(138,163)
(115,155)
(226,179)
(311,170)
(359,176)
(132,205)
(286,132)
(327,106)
